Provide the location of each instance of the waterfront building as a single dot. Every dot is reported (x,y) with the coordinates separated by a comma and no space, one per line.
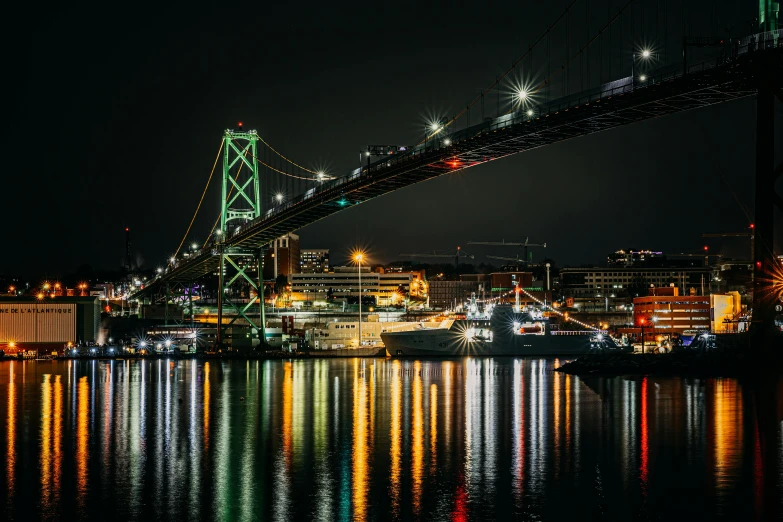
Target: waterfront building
(314,261)
(343,284)
(664,312)
(45,324)
(336,335)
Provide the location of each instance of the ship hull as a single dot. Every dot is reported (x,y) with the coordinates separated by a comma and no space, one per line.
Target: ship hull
(448,343)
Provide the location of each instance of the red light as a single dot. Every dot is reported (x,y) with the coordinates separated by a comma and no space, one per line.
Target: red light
(758,264)
(641,321)
(240,123)
(752,225)
(705,248)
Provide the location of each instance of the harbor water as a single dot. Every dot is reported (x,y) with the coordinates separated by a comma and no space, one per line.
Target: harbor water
(380,439)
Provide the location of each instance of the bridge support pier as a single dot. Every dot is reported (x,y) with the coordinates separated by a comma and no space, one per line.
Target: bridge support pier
(766,267)
(260,293)
(221,289)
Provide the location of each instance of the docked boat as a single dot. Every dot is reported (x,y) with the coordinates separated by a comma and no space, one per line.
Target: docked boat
(507,332)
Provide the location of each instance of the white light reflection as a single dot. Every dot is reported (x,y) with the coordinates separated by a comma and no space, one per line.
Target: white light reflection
(323,474)
(537,471)
(248,491)
(490,429)
(518,434)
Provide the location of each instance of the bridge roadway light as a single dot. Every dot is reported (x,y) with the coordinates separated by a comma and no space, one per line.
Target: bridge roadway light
(279,197)
(522,94)
(530,112)
(447,141)
(194,246)
(643,78)
(645,53)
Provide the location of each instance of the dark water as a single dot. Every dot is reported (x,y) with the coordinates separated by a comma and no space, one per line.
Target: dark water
(381,439)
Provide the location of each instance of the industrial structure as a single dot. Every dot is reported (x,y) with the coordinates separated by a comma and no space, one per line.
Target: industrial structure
(29,323)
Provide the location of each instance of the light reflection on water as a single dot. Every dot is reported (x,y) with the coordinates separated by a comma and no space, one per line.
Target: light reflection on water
(372,439)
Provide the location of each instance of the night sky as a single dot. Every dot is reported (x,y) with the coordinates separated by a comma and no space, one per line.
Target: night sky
(116,115)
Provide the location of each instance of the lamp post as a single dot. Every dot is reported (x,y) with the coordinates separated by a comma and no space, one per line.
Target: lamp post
(358,258)
(645,54)
(641,323)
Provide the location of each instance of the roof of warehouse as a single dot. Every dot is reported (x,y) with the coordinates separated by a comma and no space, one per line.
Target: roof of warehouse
(59,299)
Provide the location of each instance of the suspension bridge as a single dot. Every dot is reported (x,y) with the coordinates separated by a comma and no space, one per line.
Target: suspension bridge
(741,68)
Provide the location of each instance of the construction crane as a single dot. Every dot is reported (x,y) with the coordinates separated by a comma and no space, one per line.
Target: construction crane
(749,234)
(435,254)
(503,242)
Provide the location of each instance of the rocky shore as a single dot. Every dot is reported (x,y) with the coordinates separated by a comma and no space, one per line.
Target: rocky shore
(699,364)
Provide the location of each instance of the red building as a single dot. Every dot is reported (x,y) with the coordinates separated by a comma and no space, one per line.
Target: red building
(665,312)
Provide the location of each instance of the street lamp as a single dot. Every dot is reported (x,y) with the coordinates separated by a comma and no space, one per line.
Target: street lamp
(641,323)
(644,54)
(279,197)
(358,257)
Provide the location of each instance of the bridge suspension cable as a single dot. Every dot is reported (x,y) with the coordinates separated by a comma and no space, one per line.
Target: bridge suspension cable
(288,160)
(589,43)
(508,71)
(214,165)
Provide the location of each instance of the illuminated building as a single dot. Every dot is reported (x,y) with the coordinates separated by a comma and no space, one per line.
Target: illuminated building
(314,261)
(666,312)
(631,257)
(343,284)
(27,323)
(632,281)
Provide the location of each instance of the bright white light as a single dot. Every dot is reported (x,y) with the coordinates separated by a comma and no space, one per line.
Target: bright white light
(516,326)
(435,126)
(159,270)
(643,77)
(143,344)
(522,94)
(645,53)
(173,259)
(279,197)
(600,337)
(655,319)
(320,175)
(530,112)
(168,343)
(219,232)
(194,246)
(447,141)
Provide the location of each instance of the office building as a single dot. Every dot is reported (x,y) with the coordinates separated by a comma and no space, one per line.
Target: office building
(314,261)
(632,281)
(343,285)
(283,258)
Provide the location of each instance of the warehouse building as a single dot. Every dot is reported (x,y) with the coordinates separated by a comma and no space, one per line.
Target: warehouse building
(27,323)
